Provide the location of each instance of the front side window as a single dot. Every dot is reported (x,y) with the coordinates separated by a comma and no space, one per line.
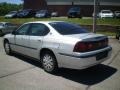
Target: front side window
(67,28)
(9,24)
(23,30)
(38,30)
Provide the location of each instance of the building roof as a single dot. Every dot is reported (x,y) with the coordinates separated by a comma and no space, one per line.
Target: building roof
(82,2)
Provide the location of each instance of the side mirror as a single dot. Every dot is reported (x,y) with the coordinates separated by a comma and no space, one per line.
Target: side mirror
(14,32)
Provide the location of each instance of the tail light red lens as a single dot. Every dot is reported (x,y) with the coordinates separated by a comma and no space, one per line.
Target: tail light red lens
(90,46)
(80,47)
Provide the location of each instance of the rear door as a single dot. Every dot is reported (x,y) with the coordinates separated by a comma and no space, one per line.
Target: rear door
(37,33)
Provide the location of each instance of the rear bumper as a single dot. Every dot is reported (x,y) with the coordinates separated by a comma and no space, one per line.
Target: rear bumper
(82,61)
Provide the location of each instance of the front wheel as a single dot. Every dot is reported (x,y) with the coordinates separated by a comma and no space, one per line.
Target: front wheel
(7,48)
(49,62)
(1,33)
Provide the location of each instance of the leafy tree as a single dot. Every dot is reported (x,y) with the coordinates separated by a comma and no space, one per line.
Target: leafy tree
(6,8)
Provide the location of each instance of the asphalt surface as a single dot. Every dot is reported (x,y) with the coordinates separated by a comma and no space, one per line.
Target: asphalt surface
(20,73)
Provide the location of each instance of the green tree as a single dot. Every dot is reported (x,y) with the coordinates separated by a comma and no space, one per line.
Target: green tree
(6,8)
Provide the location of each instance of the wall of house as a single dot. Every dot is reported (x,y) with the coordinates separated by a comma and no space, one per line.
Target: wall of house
(86,10)
(34,4)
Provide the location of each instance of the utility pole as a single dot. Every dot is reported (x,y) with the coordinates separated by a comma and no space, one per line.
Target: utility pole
(95,16)
(72,3)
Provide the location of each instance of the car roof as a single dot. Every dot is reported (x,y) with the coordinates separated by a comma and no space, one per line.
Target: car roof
(4,22)
(105,10)
(13,11)
(44,22)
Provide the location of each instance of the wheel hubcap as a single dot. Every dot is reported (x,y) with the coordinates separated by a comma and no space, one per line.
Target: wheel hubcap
(48,62)
(7,48)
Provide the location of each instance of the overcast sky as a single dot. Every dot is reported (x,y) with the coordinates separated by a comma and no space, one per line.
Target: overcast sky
(12,1)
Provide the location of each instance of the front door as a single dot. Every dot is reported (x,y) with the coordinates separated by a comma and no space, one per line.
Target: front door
(22,39)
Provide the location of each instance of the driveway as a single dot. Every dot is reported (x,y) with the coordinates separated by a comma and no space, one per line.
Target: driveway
(20,73)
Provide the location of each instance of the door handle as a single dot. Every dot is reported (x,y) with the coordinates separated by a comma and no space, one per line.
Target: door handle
(39,40)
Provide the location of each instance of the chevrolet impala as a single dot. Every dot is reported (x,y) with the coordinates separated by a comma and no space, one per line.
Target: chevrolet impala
(58,44)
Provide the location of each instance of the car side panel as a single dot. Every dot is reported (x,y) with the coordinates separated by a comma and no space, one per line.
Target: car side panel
(35,46)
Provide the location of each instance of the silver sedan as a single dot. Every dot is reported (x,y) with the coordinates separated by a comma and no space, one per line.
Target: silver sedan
(6,27)
(58,44)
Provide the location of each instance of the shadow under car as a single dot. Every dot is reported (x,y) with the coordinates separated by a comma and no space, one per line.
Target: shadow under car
(89,76)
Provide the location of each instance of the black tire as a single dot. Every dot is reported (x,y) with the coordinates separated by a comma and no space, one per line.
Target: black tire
(49,62)
(116,37)
(7,48)
(80,17)
(1,33)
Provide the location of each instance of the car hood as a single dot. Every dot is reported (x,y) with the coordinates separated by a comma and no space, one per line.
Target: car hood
(1,27)
(107,13)
(41,14)
(88,36)
(9,14)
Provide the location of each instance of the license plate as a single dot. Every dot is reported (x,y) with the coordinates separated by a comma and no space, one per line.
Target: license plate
(101,55)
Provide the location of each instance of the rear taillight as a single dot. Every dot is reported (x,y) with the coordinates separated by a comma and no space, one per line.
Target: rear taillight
(90,46)
(80,47)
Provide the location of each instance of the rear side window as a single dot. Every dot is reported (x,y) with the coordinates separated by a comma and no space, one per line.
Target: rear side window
(38,30)
(65,28)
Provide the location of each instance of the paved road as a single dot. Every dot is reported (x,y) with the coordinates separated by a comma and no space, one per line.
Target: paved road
(19,73)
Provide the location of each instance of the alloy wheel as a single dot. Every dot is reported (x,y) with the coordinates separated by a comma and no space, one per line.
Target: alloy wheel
(7,48)
(49,62)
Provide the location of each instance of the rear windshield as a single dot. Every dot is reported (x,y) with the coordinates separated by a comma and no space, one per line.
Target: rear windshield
(67,28)
(13,12)
(107,11)
(42,11)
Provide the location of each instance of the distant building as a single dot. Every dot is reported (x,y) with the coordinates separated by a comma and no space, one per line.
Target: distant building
(62,6)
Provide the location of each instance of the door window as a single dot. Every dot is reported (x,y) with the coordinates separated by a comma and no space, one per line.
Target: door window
(38,30)
(23,30)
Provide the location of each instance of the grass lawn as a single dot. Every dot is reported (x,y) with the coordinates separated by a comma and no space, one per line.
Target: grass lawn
(107,33)
(84,21)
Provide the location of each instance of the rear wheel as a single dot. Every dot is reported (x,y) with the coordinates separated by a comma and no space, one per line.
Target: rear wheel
(49,62)
(7,48)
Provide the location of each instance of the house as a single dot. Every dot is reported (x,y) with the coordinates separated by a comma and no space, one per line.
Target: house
(62,6)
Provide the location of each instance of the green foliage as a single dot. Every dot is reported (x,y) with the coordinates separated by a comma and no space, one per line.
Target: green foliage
(6,8)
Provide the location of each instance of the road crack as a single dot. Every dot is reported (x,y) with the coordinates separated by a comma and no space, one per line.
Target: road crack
(3,76)
(114,57)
